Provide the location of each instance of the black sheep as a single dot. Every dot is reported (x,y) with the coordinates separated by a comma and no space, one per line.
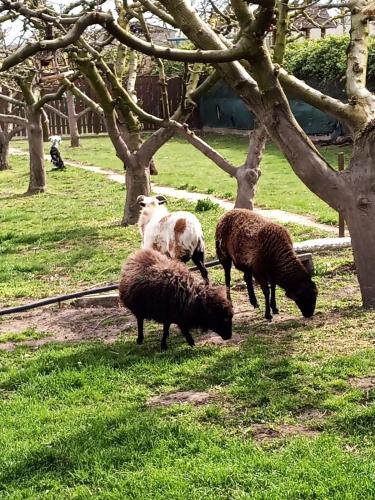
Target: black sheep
(155,287)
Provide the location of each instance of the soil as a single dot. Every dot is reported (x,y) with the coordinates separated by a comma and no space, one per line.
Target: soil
(262,432)
(365,383)
(68,324)
(192,397)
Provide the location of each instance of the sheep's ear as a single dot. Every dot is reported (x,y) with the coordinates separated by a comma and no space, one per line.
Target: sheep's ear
(161,199)
(140,200)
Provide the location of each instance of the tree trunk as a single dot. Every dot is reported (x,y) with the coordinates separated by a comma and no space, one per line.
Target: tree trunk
(4,152)
(72,118)
(137,179)
(248,175)
(45,125)
(360,219)
(37,182)
(152,166)
(358,210)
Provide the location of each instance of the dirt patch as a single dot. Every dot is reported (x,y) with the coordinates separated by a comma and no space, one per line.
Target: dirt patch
(68,325)
(262,432)
(192,397)
(211,338)
(365,383)
(312,414)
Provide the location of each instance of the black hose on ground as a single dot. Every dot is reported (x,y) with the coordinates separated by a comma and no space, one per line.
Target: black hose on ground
(75,295)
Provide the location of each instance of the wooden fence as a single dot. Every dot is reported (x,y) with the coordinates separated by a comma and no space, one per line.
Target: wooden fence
(149,97)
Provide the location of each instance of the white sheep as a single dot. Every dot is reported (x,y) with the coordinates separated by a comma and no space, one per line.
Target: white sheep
(178,235)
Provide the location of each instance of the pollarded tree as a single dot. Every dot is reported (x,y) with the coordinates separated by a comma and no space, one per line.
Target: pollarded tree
(32,105)
(246,65)
(10,124)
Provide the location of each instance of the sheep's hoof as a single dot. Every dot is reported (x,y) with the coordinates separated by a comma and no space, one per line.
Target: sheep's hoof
(268,317)
(139,341)
(163,347)
(275,311)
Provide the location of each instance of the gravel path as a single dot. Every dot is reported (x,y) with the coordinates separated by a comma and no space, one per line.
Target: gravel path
(277,215)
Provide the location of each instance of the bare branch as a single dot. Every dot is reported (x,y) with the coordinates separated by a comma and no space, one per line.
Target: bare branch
(15,131)
(56,111)
(13,119)
(301,90)
(11,100)
(204,148)
(160,13)
(83,113)
(86,99)
(50,97)
(106,20)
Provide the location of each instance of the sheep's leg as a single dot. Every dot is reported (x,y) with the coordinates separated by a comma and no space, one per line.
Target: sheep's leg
(164,346)
(227,264)
(266,292)
(198,259)
(248,277)
(273,299)
(140,330)
(189,339)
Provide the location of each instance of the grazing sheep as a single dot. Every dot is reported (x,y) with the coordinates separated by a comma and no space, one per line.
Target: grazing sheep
(55,153)
(258,246)
(155,287)
(178,234)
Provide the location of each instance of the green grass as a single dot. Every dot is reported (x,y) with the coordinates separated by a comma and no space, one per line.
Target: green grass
(28,334)
(75,420)
(70,237)
(182,166)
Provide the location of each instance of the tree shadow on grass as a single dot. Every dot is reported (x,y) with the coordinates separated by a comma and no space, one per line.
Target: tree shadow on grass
(49,237)
(260,379)
(14,196)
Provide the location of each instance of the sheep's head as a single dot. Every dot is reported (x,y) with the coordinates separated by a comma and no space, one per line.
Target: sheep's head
(148,205)
(147,201)
(219,311)
(305,297)
(55,140)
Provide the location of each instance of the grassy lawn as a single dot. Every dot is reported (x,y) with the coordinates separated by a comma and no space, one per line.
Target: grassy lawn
(181,166)
(291,411)
(70,236)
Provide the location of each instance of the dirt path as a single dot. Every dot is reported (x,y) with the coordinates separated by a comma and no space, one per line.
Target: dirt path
(277,215)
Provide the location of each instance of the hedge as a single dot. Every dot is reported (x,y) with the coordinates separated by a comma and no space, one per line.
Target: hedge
(324,59)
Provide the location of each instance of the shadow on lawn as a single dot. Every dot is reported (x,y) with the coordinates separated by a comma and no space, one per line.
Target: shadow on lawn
(262,378)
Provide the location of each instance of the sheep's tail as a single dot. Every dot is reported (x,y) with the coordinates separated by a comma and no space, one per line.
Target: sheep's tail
(200,244)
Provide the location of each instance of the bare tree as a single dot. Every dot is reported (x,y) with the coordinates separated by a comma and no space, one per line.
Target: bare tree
(247,67)
(10,124)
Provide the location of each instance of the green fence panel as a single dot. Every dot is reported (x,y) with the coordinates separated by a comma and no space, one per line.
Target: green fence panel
(222,108)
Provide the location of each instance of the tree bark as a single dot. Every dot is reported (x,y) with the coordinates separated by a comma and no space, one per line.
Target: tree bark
(72,119)
(248,175)
(137,179)
(4,152)
(37,183)
(45,125)
(358,209)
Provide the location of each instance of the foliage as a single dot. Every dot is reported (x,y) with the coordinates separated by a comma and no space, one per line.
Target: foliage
(177,68)
(204,205)
(324,59)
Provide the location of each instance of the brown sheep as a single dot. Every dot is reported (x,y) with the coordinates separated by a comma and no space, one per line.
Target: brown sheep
(155,287)
(259,247)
